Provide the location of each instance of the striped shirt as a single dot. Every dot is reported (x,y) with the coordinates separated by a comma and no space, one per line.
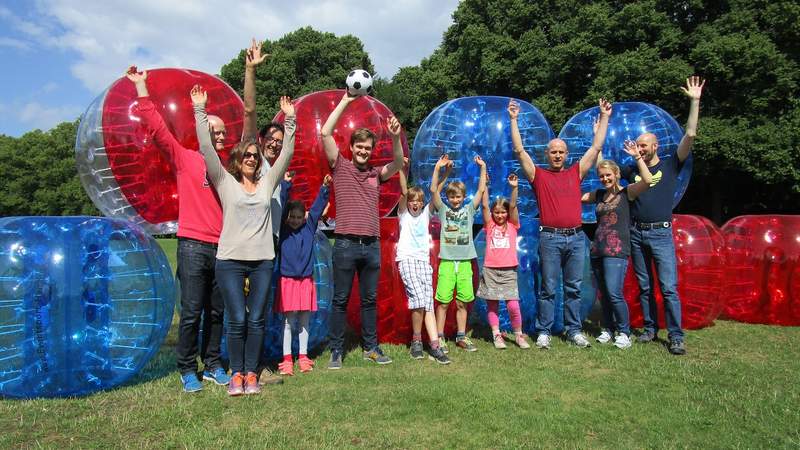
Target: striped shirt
(356,198)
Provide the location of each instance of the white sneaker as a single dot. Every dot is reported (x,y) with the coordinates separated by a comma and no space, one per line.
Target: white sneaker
(580,340)
(605,337)
(543,341)
(622,341)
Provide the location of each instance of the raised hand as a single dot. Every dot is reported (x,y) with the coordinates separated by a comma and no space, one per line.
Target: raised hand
(513,109)
(347,98)
(605,107)
(394,126)
(632,149)
(405,164)
(694,87)
(327,180)
(286,106)
(253,56)
(513,180)
(199,95)
(288,176)
(479,161)
(443,160)
(135,76)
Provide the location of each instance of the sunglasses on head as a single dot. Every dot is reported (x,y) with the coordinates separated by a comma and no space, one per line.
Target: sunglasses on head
(246,155)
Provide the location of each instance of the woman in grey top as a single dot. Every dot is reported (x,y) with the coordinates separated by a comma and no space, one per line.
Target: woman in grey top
(246,249)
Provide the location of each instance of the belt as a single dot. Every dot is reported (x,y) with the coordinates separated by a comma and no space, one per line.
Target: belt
(196,241)
(567,231)
(365,240)
(651,225)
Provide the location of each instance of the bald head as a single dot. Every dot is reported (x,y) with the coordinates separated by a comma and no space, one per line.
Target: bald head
(217,129)
(647,143)
(556,153)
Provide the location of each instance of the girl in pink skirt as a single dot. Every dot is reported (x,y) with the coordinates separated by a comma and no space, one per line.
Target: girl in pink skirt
(298,296)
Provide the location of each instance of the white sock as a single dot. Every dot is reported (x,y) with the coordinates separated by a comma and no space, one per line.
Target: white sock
(287,332)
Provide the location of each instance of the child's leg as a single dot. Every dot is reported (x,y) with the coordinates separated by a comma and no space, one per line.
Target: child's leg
(289,318)
(491,314)
(461,317)
(417,316)
(431,328)
(441,317)
(303,318)
(515,315)
(444,292)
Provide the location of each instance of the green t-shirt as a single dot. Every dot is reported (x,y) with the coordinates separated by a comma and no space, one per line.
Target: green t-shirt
(456,235)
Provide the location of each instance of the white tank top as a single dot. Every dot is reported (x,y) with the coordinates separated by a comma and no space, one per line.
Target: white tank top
(415,240)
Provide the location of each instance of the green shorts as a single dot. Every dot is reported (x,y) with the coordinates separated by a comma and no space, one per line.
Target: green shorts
(455,275)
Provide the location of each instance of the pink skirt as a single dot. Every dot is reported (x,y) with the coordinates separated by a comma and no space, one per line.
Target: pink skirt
(296,294)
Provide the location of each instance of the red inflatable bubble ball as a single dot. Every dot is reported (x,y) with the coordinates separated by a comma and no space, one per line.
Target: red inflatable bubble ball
(309,160)
(699,247)
(762,283)
(121,169)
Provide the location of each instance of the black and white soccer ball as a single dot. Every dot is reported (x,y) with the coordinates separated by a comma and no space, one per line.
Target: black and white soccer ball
(358,82)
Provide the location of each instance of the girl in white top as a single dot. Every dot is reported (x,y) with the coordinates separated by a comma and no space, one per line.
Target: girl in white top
(414,263)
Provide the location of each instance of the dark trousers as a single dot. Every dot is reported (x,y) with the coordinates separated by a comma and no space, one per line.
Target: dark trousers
(352,257)
(200,299)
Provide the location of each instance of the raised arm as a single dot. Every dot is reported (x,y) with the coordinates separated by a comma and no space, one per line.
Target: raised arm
(320,202)
(331,149)
(402,206)
(397,149)
(252,59)
(635,189)
(286,186)
(276,173)
(436,185)
(516,139)
(513,211)
(693,90)
(481,183)
(485,210)
(213,165)
(589,159)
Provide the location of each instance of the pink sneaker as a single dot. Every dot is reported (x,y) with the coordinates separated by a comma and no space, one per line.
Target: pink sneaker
(306,365)
(251,384)
(235,386)
(286,368)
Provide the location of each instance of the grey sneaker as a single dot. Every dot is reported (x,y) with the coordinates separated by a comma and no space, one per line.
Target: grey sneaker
(268,377)
(376,355)
(336,360)
(677,347)
(466,344)
(416,350)
(439,356)
(543,341)
(580,340)
(646,336)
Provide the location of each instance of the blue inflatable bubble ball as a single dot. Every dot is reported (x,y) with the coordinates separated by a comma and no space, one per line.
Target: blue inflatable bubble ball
(529,283)
(628,121)
(85,302)
(318,324)
(470,126)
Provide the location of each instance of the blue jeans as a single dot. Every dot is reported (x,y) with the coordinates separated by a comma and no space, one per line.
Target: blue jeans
(351,258)
(559,255)
(200,298)
(656,245)
(246,313)
(610,275)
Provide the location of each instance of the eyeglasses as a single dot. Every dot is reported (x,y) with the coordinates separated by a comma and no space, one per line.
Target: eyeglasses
(249,155)
(272,140)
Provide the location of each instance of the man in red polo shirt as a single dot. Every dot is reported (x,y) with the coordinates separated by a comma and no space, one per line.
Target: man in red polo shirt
(562,249)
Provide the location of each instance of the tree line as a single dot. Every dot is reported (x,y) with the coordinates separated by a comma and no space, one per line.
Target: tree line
(560,55)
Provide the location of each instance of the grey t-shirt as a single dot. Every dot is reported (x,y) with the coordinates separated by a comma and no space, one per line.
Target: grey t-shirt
(456,236)
(247,230)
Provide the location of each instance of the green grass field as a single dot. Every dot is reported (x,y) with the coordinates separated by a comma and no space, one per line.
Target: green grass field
(737,387)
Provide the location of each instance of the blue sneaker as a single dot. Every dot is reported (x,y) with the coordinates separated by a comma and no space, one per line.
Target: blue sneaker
(191,383)
(217,375)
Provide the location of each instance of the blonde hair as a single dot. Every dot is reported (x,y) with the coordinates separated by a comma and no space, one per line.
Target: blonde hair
(456,187)
(415,192)
(609,164)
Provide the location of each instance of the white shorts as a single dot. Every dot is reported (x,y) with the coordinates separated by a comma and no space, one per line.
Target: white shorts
(417,278)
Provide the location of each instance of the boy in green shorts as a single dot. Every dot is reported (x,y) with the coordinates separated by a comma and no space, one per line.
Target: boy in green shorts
(456,250)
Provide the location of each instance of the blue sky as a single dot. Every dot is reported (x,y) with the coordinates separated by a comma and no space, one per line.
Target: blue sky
(58,55)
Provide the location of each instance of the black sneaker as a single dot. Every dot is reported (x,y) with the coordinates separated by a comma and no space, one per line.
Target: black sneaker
(336,360)
(376,355)
(677,347)
(416,350)
(438,356)
(647,336)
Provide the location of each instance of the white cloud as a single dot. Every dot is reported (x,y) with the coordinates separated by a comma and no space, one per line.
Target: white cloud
(14,43)
(107,36)
(45,117)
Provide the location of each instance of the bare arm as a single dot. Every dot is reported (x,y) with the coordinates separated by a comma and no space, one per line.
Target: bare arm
(252,58)
(693,90)
(513,211)
(436,186)
(588,197)
(516,139)
(275,174)
(487,213)
(481,183)
(589,159)
(213,165)
(635,189)
(397,149)
(331,149)
(402,206)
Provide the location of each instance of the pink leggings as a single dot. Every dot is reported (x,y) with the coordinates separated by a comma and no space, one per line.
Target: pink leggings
(513,311)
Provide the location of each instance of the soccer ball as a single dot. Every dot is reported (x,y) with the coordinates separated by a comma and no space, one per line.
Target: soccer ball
(358,82)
